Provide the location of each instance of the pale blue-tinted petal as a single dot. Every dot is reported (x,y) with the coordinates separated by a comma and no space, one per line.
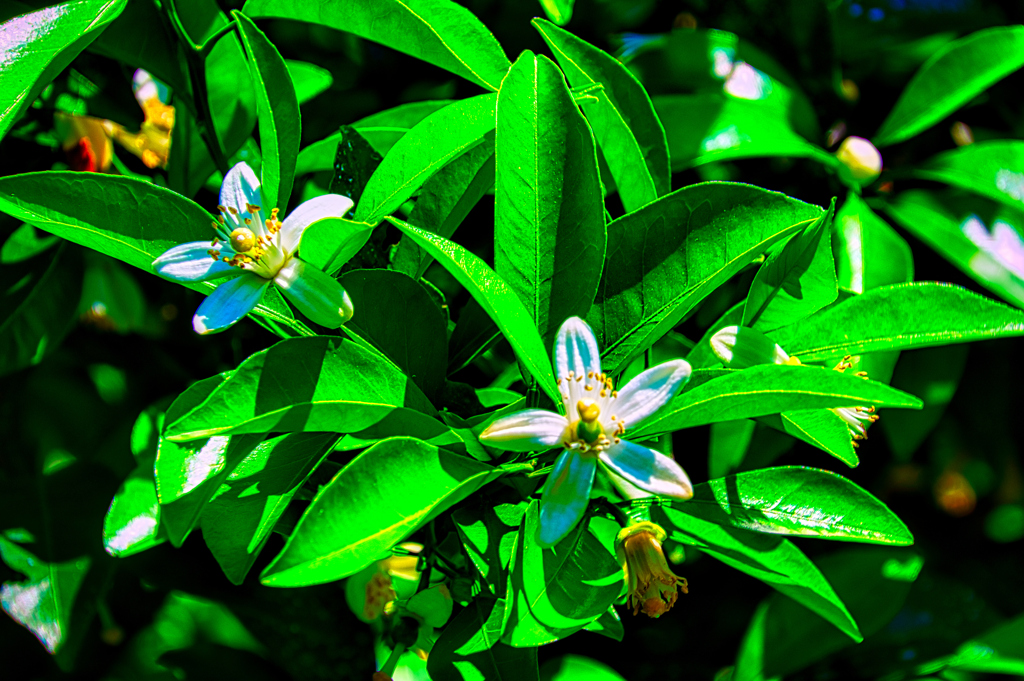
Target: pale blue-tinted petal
(240,187)
(230,302)
(650,391)
(565,496)
(308,212)
(193,262)
(318,296)
(648,470)
(576,349)
(530,430)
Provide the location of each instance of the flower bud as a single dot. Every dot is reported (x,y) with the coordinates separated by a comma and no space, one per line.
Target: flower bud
(740,347)
(861,157)
(652,586)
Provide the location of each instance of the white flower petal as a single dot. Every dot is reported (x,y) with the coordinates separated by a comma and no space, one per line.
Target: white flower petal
(648,470)
(308,212)
(193,262)
(318,296)
(230,302)
(754,348)
(565,497)
(650,391)
(526,431)
(576,349)
(240,187)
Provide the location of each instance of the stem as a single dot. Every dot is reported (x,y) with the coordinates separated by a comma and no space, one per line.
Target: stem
(392,661)
(195,59)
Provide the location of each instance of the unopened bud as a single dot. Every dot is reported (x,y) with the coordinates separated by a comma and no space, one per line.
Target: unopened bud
(861,157)
(740,347)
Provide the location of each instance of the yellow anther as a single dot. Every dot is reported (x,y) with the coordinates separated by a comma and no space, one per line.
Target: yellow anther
(590,374)
(232,210)
(247,221)
(242,240)
(604,393)
(214,254)
(252,209)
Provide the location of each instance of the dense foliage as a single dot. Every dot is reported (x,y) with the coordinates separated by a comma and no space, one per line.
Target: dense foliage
(440,341)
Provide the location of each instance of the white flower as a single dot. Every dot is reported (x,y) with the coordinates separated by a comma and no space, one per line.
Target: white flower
(256,251)
(1003,244)
(741,347)
(593,431)
(861,157)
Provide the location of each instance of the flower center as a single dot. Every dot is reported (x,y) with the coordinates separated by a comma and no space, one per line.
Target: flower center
(252,241)
(590,396)
(589,428)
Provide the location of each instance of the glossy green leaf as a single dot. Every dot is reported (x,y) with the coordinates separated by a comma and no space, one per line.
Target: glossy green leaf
(821,428)
(769,389)
(772,559)
(386,493)
(870,253)
(354,164)
(488,534)
(494,296)
(434,142)
(955,74)
(655,272)
(277,109)
(43,601)
(573,582)
(319,383)
(794,500)
(309,80)
(444,202)
(609,624)
(795,281)
(473,334)
(230,93)
(23,243)
(398,316)
(469,648)
(330,243)
(241,514)
(437,31)
(382,130)
(623,118)
(783,637)
(729,443)
(127,219)
(132,523)
(549,234)
(938,220)
(715,127)
(994,169)
(38,305)
(579,668)
(38,45)
(899,317)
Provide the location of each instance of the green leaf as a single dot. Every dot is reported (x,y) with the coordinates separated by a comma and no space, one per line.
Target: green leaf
(385,494)
(38,305)
(38,45)
(899,317)
(277,108)
(469,648)
(132,523)
(382,130)
(319,383)
(473,334)
(574,582)
(772,559)
(240,516)
(549,233)
(496,298)
(444,202)
(558,11)
(994,169)
(954,75)
(488,534)
(43,602)
(436,31)
(795,281)
(938,220)
(729,443)
(794,500)
(25,242)
(329,243)
(434,142)
(870,253)
(821,428)
(127,219)
(579,668)
(715,127)
(768,389)
(309,80)
(623,118)
(399,317)
(784,637)
(656,272)
(609,624)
